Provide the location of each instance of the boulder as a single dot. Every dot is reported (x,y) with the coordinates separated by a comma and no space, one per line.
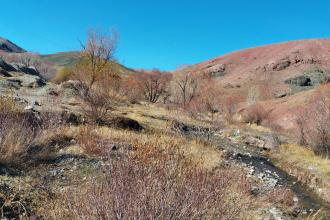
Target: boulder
(281,64)
(9,84)
(29,81)
(5,66)
(267,142)
(27,70)
(4,73)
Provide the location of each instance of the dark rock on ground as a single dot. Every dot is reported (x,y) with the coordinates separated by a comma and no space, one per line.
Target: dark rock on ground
(5,66)
(27,70)
(122,123)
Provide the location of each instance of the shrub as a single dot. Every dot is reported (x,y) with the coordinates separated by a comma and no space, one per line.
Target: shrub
(256,114)
(17,131)
(314,124)
(150,183)
(62,75)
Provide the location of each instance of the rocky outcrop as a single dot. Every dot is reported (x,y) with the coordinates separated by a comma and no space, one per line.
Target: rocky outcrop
(217,70)
(289,61)
(25,69)
(268,142)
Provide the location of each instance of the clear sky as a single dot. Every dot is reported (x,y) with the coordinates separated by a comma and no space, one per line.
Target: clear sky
(163,33)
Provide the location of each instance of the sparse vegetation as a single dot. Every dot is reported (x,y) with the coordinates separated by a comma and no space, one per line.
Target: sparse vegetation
(156,177)
(115,143)
(62,75)
(318,115)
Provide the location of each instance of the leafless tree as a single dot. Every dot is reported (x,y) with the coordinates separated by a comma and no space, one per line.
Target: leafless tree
(153,85)
(95,72)
(97,55)
(187,86)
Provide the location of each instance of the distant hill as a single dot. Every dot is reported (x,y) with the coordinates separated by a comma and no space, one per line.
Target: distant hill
(69,59)
(10,47)
(53,61)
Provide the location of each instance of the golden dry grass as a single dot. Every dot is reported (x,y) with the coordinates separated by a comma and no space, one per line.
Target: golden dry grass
(200,153)
(304,158)
(156,117)
(309,168)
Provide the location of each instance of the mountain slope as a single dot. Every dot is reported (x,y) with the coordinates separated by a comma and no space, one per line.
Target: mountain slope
(280,61)
(10,47)
(281,76)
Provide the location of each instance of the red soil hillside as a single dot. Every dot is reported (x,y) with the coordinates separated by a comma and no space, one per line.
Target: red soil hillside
(287,75)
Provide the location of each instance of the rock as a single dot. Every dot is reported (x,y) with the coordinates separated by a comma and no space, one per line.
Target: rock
(281,65)
(5,66)
(36,103)
(268,142)
(217,70)
(25,69)
(254,141)
(70,84)
(4,73)
(29,81)
(281,94)
(122,123)
(9,84)
(29,108)
(271,142)
(277,214)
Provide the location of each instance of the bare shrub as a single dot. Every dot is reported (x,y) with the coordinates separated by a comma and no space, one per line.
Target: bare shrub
(185,88)
(98,103)
(150,183)
(152,84)
(256,114)
(314,124)
(207,98)
(88,139)
(17,131)
(281,196)
(229,108)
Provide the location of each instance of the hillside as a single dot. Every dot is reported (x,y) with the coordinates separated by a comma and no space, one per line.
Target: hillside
(50,63)
(8,46)
(63,145)
(282,76)
(283,60)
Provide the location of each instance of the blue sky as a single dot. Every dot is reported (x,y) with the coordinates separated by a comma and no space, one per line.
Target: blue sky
(163,33)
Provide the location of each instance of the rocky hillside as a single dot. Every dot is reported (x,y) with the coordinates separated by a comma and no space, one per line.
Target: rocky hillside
(282,61)
(8,46)
(282,75)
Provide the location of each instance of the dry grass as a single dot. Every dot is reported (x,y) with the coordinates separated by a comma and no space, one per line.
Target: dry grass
(154,182)
(309,168)
(17,131)
(155,117)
